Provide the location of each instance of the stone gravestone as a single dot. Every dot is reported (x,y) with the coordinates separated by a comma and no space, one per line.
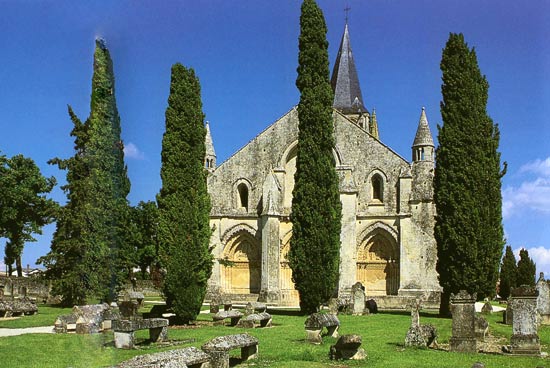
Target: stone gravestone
(525,339)
(414,335)
(487,308)
(543,300)
(482,327)
(464,312)
(358,299)
(419,335)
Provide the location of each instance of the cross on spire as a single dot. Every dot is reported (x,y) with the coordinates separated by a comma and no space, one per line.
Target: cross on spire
(347,9)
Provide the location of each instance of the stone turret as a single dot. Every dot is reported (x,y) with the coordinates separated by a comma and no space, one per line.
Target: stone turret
(210,156)
(423,145)
(423,161)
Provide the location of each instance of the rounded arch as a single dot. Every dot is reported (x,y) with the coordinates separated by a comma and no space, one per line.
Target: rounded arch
(378,259)
(376,182)
(292,150)
(241,270)
(242,189)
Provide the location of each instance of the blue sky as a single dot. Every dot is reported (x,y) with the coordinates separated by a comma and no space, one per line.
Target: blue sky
(245,54)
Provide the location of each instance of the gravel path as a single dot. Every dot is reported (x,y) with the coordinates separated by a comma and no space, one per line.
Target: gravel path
(21,331)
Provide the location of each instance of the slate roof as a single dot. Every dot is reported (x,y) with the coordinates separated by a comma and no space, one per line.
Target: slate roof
(345,83)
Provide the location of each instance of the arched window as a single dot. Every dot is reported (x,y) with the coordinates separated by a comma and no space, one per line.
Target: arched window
(377,188)
(243,195)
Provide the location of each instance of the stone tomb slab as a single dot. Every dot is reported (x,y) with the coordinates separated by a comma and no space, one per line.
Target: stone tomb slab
(124,331)
(219,347)
(348,347)
(187,357)
(220,317)
(315,323)
(255,320)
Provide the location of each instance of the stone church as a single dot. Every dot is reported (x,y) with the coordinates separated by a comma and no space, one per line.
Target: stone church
(387,240)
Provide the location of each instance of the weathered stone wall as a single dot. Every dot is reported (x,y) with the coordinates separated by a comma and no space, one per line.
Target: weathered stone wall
(266,166)
(35,287)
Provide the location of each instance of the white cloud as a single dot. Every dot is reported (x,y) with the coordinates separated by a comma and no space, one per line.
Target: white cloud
(539,167)
(131,151)
(532,194)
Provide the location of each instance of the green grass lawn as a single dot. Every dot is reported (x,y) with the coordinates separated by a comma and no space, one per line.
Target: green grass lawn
(282,345)
(46,316)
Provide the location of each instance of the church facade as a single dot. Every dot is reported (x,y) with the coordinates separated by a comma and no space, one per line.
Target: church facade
(387,240)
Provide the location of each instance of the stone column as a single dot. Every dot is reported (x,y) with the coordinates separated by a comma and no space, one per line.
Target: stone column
(525,339)
(348,239)
(464,312)
(270,259)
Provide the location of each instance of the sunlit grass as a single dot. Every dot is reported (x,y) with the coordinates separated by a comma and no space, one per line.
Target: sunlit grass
(281,346)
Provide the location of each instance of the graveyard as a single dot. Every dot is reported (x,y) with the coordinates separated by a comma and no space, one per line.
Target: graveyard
(284,344)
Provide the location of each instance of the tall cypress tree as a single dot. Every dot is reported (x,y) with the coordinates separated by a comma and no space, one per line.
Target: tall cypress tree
(316,208)
(84,257)
(526,271)
(508,273)
(183,201)
(467,184)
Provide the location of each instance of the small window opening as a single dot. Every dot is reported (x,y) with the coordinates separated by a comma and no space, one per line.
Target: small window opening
(377,188)
(243,195)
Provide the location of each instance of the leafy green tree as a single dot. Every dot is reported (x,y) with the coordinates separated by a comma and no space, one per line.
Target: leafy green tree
(24,206)
(467,183)
(183,201)
(508,273)
(316,208)
(145,250)
(527,269)
(85,256)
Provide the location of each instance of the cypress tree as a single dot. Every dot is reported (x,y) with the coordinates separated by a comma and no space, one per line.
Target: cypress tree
(183,201)
(467,184)
(508,273)
(316,208)
(527,269)
(85,253)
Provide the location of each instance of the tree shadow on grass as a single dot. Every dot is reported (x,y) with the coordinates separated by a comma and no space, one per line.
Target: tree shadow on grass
(425,314)
(285,312)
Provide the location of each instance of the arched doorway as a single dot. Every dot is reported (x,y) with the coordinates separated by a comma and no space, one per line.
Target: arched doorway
(289,295)
(241,269)
(378,263)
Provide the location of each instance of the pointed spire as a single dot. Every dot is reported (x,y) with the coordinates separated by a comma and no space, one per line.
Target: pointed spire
(423,134)
(345,83)
(210,154)
(373,125)
(423,145)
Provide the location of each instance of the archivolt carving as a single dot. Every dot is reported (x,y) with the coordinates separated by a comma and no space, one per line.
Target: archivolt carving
(231,232)
(373,229)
